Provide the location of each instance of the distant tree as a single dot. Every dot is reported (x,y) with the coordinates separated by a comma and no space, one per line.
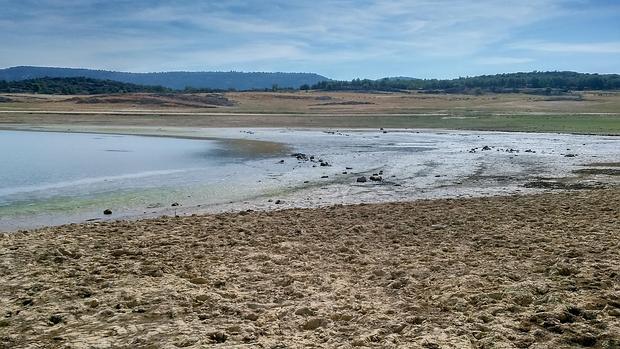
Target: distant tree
(77,85)
(564,81)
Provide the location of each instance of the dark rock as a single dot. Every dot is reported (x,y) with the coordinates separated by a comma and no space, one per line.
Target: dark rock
(300,156)
(324,163)
(175,204)
(107,211)
(55,319)
(279,202)
(486,147)
(324,176)
(348,168)
(376,178)
(345,172)
(570,155)
(281,162)
(361,179)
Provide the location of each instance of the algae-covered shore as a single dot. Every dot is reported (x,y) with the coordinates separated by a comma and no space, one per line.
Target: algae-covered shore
(539,271)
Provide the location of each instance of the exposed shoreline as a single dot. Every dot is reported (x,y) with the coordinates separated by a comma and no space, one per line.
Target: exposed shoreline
(537,271)
(408,176)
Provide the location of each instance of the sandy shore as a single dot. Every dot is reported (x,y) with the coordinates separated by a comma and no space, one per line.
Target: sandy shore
(538,271)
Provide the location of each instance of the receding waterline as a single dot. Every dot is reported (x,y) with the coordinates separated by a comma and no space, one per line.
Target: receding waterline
(55,172)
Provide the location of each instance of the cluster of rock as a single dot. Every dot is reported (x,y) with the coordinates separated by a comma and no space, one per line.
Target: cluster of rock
(376,177)
(304,157)
(507,150)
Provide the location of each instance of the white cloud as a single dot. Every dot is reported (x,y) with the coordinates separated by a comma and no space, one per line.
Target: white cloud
(503,60)
(590,47)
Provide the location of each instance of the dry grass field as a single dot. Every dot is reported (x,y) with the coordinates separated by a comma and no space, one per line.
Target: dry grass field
(587,112)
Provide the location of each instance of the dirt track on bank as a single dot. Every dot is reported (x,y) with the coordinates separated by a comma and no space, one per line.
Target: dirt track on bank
(537,271)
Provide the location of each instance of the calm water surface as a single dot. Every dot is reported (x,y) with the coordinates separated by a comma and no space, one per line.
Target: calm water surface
(47,172)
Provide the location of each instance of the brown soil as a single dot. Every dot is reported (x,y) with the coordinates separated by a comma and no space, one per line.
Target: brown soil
(157,100)
(505,272)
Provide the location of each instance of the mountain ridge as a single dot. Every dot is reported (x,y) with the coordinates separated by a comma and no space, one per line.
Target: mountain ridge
(177,80)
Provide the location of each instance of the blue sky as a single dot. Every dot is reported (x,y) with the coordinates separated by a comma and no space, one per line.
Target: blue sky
(341,39)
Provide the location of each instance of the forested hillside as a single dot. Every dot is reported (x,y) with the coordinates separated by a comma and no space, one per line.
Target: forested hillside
(494,83)
(174,80)
(74,86)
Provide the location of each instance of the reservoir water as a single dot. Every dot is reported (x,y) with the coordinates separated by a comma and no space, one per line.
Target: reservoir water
(44,175)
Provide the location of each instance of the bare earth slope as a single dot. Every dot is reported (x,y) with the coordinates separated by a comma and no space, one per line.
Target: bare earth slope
(527,272)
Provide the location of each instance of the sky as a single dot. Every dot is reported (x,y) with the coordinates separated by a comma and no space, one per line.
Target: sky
(340,39)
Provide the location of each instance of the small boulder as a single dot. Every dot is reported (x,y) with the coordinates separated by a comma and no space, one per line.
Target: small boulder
(305,311)
(361,179)
(175,204)
(314,323)
(55,319)
(107,211)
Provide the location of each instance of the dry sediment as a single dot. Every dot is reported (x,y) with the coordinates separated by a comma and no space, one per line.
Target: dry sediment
(539,271)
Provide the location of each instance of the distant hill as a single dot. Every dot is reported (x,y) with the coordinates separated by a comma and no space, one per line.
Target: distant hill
(173,80)
(74,86)
(511,82)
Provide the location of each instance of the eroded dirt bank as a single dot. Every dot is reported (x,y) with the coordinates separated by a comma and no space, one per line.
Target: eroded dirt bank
(537,271)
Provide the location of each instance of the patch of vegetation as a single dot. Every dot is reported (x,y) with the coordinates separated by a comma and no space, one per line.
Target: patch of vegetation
(74,86)
(547,83)
(599,171)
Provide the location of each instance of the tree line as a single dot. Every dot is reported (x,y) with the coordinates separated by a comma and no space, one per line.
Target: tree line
(75,86)
(511,82)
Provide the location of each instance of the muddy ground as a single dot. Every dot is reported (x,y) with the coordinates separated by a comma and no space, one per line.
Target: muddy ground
(538,271)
